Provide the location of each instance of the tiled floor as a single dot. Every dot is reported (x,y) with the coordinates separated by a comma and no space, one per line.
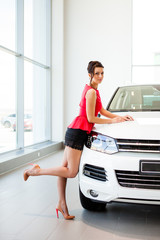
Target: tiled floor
(27,212)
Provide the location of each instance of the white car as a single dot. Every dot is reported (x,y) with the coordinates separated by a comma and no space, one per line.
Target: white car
(121,162)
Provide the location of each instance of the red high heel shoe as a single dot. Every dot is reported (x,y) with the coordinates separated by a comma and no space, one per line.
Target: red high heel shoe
(65,217)
(25,174)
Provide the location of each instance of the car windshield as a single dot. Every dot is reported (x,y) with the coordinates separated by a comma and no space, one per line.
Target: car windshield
(136,98)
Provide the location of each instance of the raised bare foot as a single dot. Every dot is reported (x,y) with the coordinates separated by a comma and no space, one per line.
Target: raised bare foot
(34,171)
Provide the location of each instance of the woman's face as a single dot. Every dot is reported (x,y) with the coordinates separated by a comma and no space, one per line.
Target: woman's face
(98,75)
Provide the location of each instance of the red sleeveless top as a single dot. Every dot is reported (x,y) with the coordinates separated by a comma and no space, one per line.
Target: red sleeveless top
(81,122)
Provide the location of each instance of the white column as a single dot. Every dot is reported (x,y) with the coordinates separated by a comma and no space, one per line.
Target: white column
(58,70)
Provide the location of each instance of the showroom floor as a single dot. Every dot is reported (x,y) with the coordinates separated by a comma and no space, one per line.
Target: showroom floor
(27,211)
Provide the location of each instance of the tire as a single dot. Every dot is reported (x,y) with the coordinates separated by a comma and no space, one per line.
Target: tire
(89,204)
(7,124)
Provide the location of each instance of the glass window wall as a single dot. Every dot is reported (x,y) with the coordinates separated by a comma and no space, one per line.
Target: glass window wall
(7,102)
(25,73)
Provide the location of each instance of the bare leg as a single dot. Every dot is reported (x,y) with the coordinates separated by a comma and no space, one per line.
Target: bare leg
(69,169)
(72,157)
(61,185)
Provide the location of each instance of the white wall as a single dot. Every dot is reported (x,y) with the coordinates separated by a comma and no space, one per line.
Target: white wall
(93,30)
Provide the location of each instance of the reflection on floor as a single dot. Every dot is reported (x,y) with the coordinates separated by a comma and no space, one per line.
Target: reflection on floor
(27,211)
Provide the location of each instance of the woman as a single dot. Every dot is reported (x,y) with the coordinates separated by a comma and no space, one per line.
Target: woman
(76,135)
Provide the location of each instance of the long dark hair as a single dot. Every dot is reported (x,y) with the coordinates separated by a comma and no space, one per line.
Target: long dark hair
(91,66)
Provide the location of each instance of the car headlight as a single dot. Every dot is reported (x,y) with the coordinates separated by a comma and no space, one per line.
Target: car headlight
(101,143)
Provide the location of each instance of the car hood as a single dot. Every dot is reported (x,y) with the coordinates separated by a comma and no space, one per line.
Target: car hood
(146,125)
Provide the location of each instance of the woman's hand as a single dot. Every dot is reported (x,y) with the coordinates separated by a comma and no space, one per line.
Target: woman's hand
(121,119)
(127,118)
(110,115)
(117,119)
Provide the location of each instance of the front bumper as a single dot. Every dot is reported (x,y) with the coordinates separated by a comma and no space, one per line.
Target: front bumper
(111,190)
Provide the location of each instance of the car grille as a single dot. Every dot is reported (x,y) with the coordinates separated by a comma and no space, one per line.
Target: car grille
(131,145)
(133,179)
(95,172)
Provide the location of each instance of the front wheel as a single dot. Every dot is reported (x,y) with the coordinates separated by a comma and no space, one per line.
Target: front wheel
(89,204)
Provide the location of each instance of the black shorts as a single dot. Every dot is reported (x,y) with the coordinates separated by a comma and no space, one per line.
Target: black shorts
(75,138)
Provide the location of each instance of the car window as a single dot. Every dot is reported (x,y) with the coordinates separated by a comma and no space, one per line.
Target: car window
(12,115)
(136,98)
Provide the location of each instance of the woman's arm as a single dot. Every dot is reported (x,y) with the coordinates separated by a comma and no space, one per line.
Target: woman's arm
(108,114)
(90,109)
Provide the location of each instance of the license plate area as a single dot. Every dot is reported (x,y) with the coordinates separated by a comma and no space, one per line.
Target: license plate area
(149,167)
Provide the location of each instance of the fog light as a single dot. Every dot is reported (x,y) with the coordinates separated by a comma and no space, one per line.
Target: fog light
(93,193)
